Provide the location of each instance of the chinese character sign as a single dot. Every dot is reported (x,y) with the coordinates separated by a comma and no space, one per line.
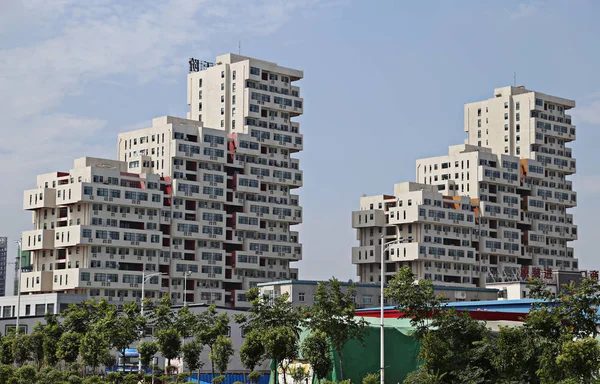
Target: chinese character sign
(194,65)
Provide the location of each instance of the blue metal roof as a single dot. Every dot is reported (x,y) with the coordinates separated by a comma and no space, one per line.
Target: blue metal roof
(518,306)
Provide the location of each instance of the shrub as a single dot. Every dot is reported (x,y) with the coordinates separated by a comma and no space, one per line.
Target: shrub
(371,378)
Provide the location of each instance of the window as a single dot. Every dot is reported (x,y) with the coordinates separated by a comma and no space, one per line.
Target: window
(518,150)
(222,86)
(222,74)
(505,138)
(222,123)
(301,297)
(506,127)
(518,129)
(222,111)
(505,149)
(233,75)
(518,106)
(518,117)
(506,104)
(255,71)
(506,116)
(518,139)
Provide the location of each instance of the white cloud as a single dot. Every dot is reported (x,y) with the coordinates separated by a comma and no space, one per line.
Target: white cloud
(589,113)
(523,10)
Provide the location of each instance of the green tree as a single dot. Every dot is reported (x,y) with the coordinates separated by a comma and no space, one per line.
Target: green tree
(94,348)
(514,356)
(221,352)
(416,301)
(80,317)
(333,314)
(169,343)
(558,323)
(210,326)
(186,322)
(192,354)
(93,380)
(21,348)
(254,377)
(422,376)
(459,347)
(252,351)
(371,378)
(168,336)
(580,360)
(298,373)
(68,347)
(315,350)
(281,344)
(50,375)
(6,373)
(161,314)
(122,328)
(52,331)
(6,349)
(147,350)
(277,324)
(27,374)
(37,344)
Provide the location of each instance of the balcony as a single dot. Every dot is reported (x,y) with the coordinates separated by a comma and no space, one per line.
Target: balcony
(39,198)
(38,239)
(368,218)
(36,282)
(366,254)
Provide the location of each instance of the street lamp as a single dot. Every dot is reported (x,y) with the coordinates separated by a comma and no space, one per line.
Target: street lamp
(20,244)
(185,276)
(144,279)
(384,247)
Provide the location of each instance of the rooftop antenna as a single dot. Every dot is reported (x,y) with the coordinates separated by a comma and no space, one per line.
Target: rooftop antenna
(515,78)
(239,47)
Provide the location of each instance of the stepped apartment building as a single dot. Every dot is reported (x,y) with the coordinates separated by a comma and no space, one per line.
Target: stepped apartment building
(494,209)
(207,202)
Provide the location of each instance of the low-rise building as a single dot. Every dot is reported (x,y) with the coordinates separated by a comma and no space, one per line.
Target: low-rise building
(302,292)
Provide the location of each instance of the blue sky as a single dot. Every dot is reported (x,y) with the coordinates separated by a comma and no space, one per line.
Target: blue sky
(385,83)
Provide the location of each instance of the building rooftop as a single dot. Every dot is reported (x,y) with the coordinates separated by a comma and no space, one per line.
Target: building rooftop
(373,285)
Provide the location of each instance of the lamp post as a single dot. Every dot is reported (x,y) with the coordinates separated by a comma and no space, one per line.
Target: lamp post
(185,276)
(384,247)
(144,279)
(19,256)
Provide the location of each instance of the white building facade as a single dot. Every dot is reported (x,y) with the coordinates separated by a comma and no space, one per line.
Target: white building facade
(208,205)
(479,214)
